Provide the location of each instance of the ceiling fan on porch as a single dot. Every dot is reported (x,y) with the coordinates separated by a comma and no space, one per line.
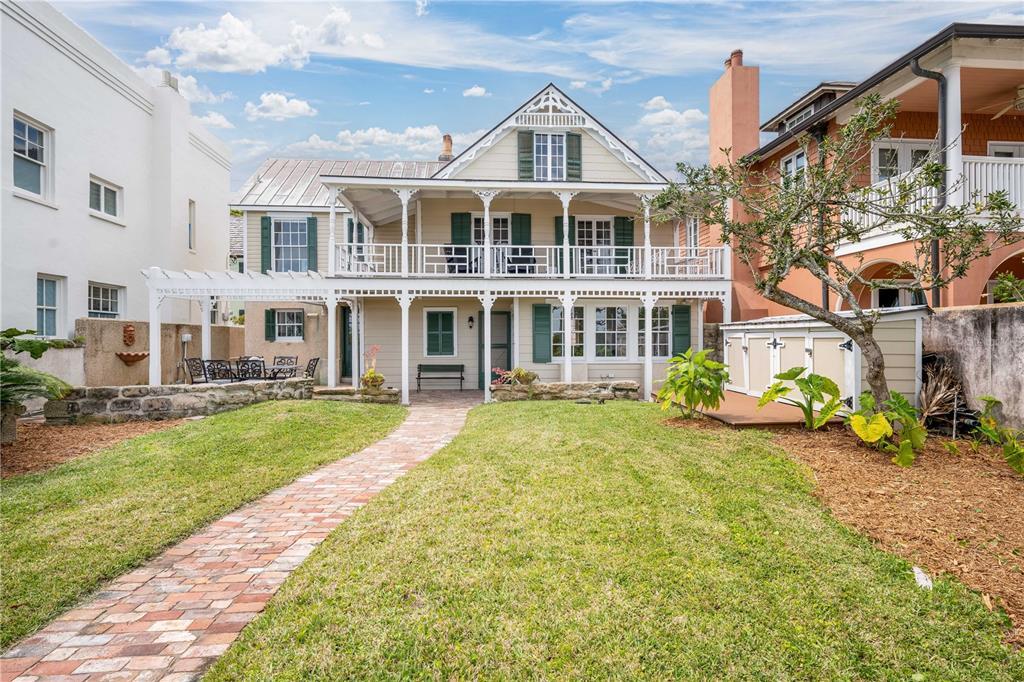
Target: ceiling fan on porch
(1016,102)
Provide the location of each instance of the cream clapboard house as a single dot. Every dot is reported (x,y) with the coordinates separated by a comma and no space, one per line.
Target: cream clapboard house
(465,261)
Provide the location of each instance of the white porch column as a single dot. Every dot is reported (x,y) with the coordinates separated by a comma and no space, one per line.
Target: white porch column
(154,336)
(727,307)
(353,317)
(567,342)
(488,303)
(954,134)
(332,341)
(487,196)
(405,301)
(332,197)
(515,331)
(565,198)
(699,346)
(648,303)
(645,199)
(205,307)
(404,195)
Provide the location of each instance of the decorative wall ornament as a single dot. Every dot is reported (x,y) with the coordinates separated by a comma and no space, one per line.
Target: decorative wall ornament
(128,335)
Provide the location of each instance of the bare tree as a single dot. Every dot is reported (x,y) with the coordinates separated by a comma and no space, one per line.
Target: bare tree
(798,222)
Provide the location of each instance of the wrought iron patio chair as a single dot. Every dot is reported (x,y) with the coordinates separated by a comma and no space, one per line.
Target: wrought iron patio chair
(219,371)
(250,369)
(311,368)
(196,371)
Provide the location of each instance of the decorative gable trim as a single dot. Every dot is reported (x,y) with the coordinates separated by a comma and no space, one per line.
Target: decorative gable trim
(552,108)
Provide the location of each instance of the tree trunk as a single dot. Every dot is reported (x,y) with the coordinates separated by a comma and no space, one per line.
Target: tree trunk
(875,364)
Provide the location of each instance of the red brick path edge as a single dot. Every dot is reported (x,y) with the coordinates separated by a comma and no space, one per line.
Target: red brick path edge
(170,619)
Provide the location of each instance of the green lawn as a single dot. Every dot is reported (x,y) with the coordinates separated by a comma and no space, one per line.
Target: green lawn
(554,540)
(67,530)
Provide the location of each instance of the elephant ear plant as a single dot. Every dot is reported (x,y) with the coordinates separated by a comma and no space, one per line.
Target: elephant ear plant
(694,383)
(19,383)
(897,428)
(815,389)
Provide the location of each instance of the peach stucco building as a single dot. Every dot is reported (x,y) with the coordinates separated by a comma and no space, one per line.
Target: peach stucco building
(983,66)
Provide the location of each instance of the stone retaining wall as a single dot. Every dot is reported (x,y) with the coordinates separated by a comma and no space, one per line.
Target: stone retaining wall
(385,396)
(112,404)
(583,392)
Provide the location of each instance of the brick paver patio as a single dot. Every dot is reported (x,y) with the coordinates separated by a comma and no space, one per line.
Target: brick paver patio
(169,619)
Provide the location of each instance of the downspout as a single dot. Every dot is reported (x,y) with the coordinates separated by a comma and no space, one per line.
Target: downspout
(818,132)
(940,203)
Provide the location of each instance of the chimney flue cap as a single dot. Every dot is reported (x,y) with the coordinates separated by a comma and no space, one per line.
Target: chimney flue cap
(735,58)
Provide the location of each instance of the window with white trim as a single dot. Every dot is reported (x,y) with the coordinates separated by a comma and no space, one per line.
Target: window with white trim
(31,156)
(891,158)
(793,166)
(797,118)
(500,228)
(105,197)
(611,332)
(660,328)
(290,245)
(288,325)
(549,156)
(896,297)
(558,332)
(593,232)
(47,301)
(104,301)
(692,232)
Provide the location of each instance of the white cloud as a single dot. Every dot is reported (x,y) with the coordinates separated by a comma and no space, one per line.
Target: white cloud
(428,91)
(577,85)
(277,107)
(657,103)
(415,142)
(212,119)
(233,46)
(248,149)
(188,86)
(421,7)
(475,91)
(159,56)
(598,87)
(373,40)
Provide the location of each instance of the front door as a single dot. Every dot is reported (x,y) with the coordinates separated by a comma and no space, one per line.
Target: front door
(501,343)
(346,342)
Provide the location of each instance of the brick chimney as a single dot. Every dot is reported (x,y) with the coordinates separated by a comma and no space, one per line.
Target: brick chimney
(446,149)
(734,111)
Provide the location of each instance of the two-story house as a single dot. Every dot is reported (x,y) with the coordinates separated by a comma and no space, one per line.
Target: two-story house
(103,174)
(982,98)
(532,248)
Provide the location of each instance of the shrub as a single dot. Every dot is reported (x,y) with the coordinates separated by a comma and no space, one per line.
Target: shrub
(898,428)
(515,376)
(1009,439)
(694,383)
(1008,288)
(814,389)
(19,383)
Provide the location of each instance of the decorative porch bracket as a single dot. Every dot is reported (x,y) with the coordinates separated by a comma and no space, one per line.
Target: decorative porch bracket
(487,196)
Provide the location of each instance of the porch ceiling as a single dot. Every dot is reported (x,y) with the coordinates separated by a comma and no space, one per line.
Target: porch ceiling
(981,91)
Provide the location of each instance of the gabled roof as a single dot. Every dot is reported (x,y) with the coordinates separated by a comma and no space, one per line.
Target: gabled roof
(550,99)
(296,182)
(805,100)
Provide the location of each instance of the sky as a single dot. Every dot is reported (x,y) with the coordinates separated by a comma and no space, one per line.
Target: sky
(385,80)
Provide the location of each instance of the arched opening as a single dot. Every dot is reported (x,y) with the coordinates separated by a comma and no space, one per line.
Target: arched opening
(1013,264)
(884,297)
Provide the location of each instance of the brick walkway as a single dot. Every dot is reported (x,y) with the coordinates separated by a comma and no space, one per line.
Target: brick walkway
(171,618)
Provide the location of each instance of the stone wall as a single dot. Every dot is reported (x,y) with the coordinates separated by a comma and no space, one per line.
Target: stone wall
(713,341)
(112,404)
(584,391)
(986,344)
(350,394)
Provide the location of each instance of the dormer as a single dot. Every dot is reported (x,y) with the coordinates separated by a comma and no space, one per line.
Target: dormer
(803,108)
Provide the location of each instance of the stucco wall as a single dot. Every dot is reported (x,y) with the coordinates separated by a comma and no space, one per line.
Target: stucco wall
(985,344)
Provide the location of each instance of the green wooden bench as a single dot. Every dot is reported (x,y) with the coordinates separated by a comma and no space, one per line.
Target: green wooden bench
(427,372)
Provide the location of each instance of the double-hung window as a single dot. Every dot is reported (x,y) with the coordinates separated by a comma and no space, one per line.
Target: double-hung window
(290,245)
(105,198)
(47,289)
(558,332)
(692,232)
(500,228)
(104,301)
(439,333)
(610,332)
(660,327)
(30,157)
(793,167)
(288,325)
(549,156)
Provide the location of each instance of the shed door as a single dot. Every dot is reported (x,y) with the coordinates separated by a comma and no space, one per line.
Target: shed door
(760,368)
(734,358)
(833,356)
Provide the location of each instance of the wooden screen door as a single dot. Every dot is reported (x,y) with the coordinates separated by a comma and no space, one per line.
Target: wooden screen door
(501,343)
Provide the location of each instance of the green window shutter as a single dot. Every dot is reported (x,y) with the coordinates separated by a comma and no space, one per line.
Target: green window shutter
(311,243)
(572,230)
(270,324)
(573,156)
(680,329)
(440,332)
(525,155)
(623,237)
(303,323)
(521,229)
(266,244)
(447,333)
(433,334)
(461,229)
(541,332)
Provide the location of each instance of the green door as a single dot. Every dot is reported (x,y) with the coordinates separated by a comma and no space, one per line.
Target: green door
(346,341)
(501,343)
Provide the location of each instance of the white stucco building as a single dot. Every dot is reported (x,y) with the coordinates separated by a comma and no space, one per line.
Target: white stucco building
(103,174)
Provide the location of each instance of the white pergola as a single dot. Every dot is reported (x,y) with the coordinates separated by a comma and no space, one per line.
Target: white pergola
(311,287)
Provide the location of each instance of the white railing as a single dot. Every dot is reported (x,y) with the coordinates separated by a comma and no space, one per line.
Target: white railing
(885,191)
(506,261)
(549,119)
(984,175)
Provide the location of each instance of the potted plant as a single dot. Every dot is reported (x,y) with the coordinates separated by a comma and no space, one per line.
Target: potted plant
(19,383)
(372,380)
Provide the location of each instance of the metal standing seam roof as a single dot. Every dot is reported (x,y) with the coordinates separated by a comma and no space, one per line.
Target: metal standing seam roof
(296,182)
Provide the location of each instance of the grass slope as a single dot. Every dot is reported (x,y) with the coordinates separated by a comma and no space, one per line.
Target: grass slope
(67,530)
(554,540)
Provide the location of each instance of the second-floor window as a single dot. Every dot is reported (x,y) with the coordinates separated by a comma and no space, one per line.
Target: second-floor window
(290,245)
(793,166)
(692,232)
(104,197)
(30,157)
(890,159)
(549,156)
(500,229)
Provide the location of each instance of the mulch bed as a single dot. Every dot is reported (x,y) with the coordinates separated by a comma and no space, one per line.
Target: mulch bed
(957,514)
(40,447)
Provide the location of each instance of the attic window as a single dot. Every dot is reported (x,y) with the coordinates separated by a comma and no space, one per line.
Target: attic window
(549,156)
(796,119)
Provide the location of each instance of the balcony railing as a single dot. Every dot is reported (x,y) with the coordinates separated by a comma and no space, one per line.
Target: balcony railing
(501,260)
(987,174)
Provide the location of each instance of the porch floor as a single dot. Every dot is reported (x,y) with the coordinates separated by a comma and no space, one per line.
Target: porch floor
(740,410)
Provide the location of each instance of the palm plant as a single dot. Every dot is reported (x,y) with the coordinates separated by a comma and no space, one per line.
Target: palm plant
(19,383)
